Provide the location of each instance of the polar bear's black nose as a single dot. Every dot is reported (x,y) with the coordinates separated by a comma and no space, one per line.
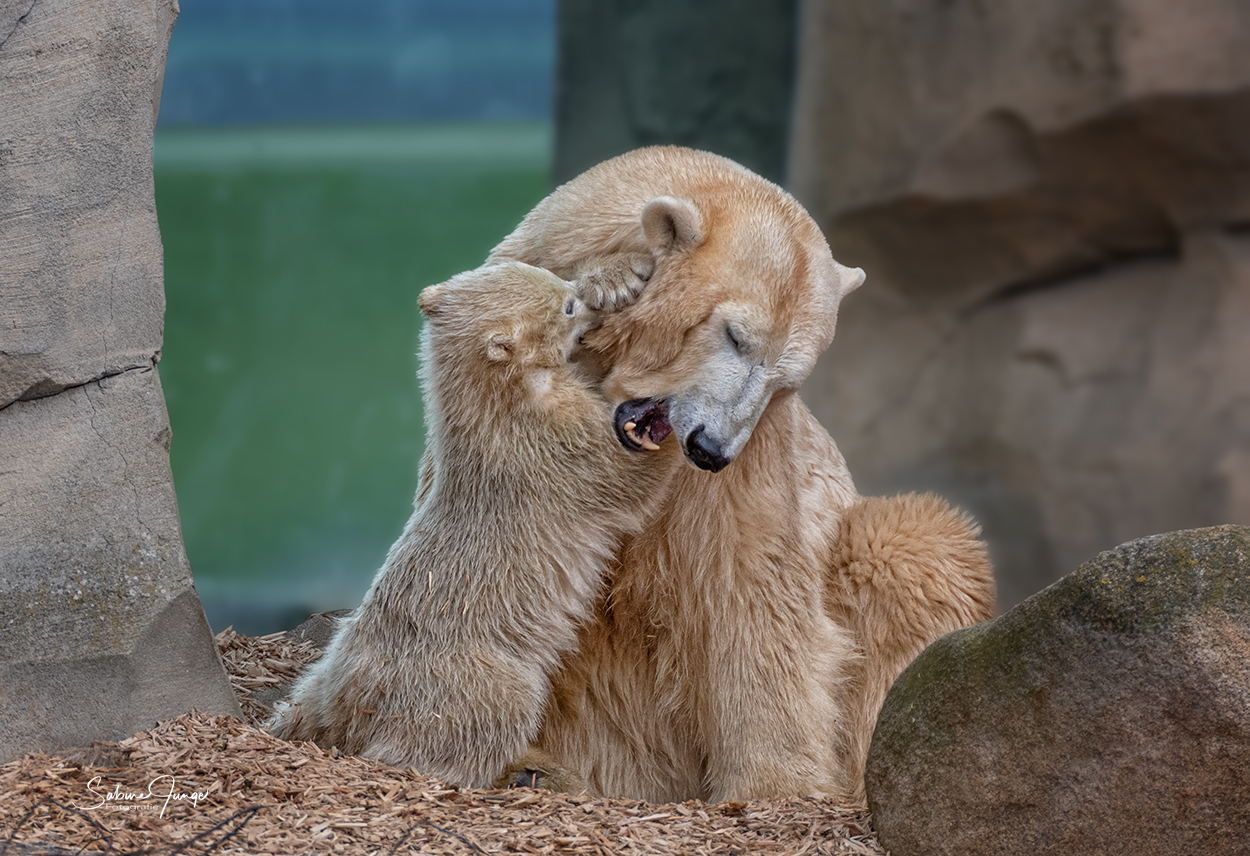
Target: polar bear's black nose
(704,452)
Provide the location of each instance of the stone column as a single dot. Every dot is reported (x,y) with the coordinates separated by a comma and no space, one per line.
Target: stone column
(1051,202)
(101,631)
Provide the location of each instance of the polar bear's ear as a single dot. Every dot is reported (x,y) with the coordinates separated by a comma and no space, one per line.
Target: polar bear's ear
(849,278)
(670,224)
(430,300)
(499,346)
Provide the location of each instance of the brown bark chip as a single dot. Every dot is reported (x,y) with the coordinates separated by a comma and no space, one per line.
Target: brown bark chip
(212,784)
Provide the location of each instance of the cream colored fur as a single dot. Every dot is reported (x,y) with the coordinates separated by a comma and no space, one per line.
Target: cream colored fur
(750,630)
(907,570)
(525,495)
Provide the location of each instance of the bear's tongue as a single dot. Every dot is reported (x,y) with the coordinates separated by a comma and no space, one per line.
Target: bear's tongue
(642,423)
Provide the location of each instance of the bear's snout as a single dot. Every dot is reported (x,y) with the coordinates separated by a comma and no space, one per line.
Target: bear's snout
(705,452)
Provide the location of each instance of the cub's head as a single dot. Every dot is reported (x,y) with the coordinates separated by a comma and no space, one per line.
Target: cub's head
(743,300)
(498,337)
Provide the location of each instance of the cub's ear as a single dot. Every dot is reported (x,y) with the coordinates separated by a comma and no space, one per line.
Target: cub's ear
(430,300)
(671,224)
(499,346)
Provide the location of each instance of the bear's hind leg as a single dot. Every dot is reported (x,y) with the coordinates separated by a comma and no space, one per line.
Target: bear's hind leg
(908,569)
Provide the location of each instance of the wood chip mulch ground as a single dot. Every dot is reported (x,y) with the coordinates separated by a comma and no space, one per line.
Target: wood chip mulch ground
(213,784)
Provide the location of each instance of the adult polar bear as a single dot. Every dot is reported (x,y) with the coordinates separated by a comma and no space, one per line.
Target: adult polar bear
(750,631)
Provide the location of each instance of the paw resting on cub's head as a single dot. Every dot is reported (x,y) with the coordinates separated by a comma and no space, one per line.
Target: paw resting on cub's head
(737,310)
(503,345)
(509,328)
(741,297)
(509,313)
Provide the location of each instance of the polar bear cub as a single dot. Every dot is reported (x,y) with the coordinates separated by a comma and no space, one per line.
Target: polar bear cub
(525,496)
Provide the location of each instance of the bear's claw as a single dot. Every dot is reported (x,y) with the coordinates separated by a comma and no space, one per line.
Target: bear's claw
(614,282)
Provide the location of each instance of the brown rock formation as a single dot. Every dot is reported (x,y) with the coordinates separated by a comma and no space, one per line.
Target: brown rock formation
(1050,201)
(1106,715)
(101,632)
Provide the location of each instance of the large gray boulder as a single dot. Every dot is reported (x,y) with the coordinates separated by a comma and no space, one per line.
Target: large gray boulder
(1108,714)
(1050,201)
(101,631)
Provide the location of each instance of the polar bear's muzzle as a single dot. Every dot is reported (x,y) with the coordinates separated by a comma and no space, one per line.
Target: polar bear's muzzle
(705,452)
(642,423)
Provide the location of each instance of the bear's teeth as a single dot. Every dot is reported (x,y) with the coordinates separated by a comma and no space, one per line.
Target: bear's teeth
(645,440)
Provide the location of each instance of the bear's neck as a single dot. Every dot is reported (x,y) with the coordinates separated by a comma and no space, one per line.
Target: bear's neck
(773,492)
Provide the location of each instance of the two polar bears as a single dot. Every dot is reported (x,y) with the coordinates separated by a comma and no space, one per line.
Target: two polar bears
(445,665)
(757,611)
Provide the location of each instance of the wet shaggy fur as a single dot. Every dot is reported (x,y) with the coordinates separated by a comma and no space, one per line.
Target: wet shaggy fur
(525,495)
(749,630)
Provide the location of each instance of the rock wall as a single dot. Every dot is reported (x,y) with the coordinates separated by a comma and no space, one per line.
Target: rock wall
(101,632)
(712,74)
(1052,203)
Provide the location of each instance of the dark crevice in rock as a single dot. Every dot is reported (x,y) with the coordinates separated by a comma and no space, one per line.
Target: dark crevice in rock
(9,35)
(1071,277)
(47,387)
(1002,208)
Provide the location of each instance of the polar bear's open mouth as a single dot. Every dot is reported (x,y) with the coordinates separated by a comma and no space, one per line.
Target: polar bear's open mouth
(642,423)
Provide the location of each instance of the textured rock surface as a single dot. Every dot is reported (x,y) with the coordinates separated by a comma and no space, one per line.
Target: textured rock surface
(82,274)
(702,73)
(1051,202)
(102,632)
(1108,714)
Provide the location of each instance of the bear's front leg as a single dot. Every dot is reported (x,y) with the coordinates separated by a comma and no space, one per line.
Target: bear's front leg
(612,282)
(536,769)
(772,695)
